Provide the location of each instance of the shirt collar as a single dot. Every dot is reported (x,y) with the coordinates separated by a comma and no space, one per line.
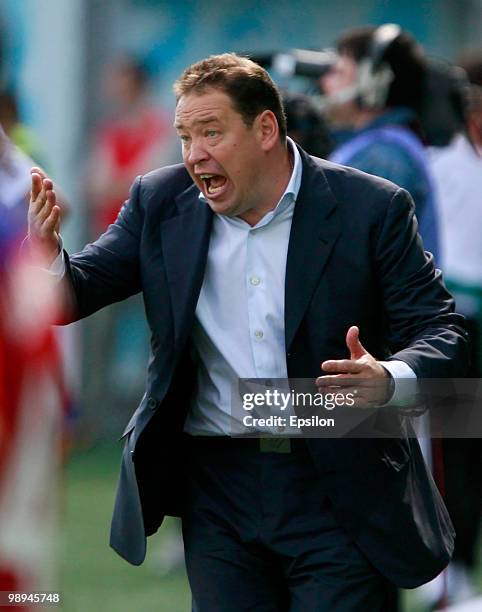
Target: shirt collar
(291,192)
(293,186)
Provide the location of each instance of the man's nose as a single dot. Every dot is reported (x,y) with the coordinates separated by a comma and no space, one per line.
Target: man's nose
(197,153)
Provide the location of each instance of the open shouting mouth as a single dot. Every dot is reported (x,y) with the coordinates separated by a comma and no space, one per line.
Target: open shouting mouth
(213,183)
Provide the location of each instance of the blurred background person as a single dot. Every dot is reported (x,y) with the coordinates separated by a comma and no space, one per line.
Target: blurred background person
(17,131)
(20,150)
(32,398)
(457,170)
(133,136)
(136,138)
(15,183)
(373,94)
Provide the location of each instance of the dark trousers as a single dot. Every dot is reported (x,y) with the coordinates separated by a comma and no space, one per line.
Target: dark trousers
(260,535)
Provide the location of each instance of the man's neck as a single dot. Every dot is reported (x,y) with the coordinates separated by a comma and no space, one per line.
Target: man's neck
(277,178)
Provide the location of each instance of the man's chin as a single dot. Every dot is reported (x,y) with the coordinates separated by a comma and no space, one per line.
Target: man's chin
(224,208)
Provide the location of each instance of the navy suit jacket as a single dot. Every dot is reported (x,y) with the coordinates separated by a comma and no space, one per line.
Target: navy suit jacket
(354,257)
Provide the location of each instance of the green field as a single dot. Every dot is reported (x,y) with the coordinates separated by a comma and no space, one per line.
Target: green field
(93,576)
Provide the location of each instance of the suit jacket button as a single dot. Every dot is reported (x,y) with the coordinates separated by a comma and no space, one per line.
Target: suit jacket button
(152,403)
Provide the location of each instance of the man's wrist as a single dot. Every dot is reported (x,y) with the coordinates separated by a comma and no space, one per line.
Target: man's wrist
(57,266)
(46,253)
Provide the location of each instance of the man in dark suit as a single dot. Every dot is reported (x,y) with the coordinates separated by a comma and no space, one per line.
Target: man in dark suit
(255,260)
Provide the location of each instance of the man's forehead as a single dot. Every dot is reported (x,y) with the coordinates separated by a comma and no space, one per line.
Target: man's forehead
(202,107)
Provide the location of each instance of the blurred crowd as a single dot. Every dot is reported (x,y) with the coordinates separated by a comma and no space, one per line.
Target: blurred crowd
(376,102)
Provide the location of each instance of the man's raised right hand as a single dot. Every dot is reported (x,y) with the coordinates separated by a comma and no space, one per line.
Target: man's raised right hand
(43,216)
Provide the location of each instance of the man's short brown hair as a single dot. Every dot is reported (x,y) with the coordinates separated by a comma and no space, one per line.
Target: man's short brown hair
(248,85)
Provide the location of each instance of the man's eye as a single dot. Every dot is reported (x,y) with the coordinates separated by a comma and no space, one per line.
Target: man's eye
(211,133)
(184,138)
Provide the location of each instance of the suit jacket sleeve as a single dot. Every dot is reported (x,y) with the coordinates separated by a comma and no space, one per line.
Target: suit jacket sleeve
(107,270)
(423,330)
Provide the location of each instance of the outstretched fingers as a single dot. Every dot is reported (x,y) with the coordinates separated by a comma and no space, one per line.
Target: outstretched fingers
(44,214)
(342,366)
(36,185)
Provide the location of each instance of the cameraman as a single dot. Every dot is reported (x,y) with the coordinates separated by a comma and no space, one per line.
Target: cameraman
(374,91)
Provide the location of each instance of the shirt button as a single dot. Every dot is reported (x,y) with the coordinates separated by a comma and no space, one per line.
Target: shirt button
(281,429)
(258,334)
(254,280)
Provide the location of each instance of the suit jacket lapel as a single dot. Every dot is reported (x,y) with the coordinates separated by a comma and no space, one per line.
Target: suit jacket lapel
(314,230)
(185,242)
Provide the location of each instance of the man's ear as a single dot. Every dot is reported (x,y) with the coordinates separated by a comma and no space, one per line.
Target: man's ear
(268,130)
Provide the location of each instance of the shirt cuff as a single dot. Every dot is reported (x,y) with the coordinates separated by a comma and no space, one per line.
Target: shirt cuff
(402,392)
(57,267)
